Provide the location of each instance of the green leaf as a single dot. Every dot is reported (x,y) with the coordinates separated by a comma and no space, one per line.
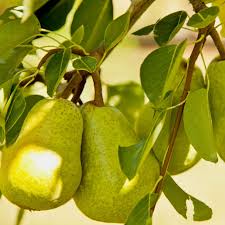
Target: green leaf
(178,198)
(86,63)
(198,124)
(2,130)
(221,5)
(140,215)
(128,98)
(56,69)
(95,17)
(116,31)
(204,17)
(132,157)
(15,110)
(5,90)
(10,61)
(53,14)
(13,32)
(78,35)
(30,6)
(20,216)
(13,133)
(216,75)
(159,70)
(145,30)
(166,28)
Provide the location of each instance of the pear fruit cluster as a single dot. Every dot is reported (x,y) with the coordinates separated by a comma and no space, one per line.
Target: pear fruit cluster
(64,152)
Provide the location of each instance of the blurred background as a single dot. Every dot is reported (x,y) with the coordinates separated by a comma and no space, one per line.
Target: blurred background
(205,181)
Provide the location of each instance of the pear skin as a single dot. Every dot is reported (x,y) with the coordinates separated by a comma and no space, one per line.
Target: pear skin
(42,169)
(105,194)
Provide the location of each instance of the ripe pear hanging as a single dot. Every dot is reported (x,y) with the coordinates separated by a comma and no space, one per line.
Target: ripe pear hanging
(105,194)
(42,169)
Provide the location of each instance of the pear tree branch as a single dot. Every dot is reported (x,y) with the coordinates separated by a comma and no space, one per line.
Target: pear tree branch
(199,5)
(209,30)
(136,9)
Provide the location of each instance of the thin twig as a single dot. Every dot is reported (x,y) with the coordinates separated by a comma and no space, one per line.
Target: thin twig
(193,58)
(209,30)
(47,56)
(78,91)
(73,83)
(199,5)
(136,9)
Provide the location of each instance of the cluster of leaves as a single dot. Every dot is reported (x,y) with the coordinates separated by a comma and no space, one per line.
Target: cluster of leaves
(100,33)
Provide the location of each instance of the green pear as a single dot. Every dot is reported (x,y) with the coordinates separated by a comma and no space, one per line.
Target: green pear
(42,169)
(105,194)
(216,75)
(184,155)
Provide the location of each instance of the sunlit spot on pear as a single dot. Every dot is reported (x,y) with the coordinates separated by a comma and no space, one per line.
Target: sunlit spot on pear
(38,167)
(129,185)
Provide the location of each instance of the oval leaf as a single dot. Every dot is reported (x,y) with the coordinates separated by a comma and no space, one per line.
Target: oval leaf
(86,63)
(204,17)
(5,90)
(216,75)
(116,31)
(15,110)
(53,14)
(166,28)
(13,32)
(2,130)
(178,198)
(78,35)
(221,5)
(30,6)
(56,69)
(198,124)
(132,157)
(100,14)
(13,133)
(144,31)
(10,61)
(140,215)
(159,70)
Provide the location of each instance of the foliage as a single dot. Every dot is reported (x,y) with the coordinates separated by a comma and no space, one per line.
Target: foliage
(65,65)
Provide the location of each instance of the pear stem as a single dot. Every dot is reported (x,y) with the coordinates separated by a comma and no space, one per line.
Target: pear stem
(47,56)
(98,100)
(136,9)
